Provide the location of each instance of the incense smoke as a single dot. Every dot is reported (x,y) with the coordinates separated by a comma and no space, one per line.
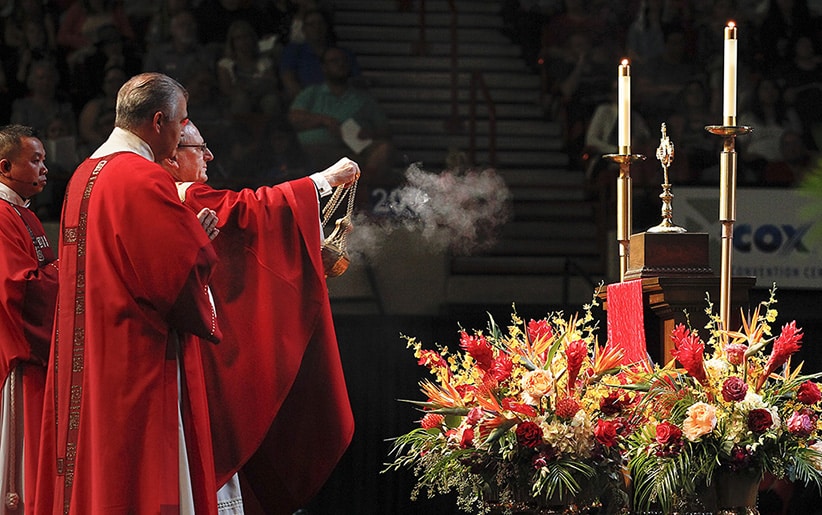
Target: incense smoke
(455,211)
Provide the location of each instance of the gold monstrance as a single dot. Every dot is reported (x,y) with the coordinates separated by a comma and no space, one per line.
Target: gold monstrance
(665,154)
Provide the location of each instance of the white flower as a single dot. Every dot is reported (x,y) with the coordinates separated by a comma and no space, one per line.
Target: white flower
(716,368)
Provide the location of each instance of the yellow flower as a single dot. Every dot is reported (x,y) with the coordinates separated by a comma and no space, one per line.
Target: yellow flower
(700,421)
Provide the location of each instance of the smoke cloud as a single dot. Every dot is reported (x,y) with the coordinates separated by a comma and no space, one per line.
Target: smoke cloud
(455,211)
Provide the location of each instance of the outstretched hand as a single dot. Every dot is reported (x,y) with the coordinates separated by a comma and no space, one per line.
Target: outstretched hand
(208,219)
(344,171)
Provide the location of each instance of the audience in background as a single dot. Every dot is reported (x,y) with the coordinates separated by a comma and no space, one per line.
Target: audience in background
(241,98)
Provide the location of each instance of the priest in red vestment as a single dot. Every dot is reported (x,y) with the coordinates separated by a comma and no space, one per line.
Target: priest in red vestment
(125,418)
(277,396)
(28,289)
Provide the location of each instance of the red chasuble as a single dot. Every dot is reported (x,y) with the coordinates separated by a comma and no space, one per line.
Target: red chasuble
(277,396)
(134,268)
(28,291)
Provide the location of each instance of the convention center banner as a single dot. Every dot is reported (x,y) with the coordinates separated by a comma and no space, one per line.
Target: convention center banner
(772,240)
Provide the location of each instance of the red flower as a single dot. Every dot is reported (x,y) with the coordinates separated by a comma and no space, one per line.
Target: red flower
(801,423)
(529,434)
(735,353)
(519,407)
(759,420)
(575,354)
(479,349)
(808,393)
(667,433)
(467,439)
(690,352)
(567,408)
(432,421)
(734,389)
(612,404)
(539,330)
(501,368)
(606,432)
(785,344)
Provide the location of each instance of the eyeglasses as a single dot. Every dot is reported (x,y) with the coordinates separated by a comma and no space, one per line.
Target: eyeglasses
(202,146)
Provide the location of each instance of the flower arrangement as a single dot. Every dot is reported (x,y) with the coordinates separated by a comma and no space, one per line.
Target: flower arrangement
(521,419)
(736,407)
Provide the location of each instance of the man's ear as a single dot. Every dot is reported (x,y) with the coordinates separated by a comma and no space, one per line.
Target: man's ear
(171,162)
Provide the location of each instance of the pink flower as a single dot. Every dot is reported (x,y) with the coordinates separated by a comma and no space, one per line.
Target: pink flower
(785,344)
(690,352)
(479,349)
(474,416)
(667,433)
(808,393)
(700,421)
(606,432)
(575,354)
(734,389)
(801,423)
(736,353)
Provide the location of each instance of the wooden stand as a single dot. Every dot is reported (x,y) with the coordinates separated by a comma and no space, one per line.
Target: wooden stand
(677,279)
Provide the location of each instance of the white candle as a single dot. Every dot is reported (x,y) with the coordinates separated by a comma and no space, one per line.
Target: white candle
(624,107)
(729,92)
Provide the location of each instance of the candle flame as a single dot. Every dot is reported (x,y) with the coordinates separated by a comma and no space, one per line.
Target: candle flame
(731,24)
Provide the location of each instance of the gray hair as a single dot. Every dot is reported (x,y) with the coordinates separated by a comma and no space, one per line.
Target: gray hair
(11,138)
(144,95)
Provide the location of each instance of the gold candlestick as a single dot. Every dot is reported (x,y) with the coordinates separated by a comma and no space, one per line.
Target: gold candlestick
(624,209)
(665,154)
(727,209)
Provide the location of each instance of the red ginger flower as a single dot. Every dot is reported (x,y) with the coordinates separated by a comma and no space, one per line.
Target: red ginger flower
(501,368)
(690,352)
(567,408)
(785,344)
(432,420)
(575,354)
(479,349)
(540,330)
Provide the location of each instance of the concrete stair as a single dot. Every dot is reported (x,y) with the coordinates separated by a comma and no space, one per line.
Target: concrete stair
(550,252)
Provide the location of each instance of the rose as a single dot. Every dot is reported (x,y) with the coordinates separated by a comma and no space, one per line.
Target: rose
(474,416)
(801,423)
(667,433)
(612,404)
(700,421)
(529,434)
(735,353)
(606,432)
(466,437)
(759,420)
(535,384)
(808,393)
(734,389)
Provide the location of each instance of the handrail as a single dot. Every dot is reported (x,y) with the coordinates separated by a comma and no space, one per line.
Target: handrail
(478,81)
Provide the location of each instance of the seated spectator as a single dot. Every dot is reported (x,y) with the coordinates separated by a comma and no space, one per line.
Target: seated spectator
(300,64)
(79,26)
(697,150)
(246,78)
(183,49)
(802,78)
(97,116)
(795,161)
(214,17)
(158,26)
(645,38)
(770,118)
(44,101)
(335,119)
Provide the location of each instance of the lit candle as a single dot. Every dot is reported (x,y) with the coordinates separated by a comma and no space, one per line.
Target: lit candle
(729,95)
(624,107)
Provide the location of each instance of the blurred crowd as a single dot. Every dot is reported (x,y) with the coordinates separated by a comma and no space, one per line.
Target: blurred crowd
(676,52)
(243,62)
(250,64)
